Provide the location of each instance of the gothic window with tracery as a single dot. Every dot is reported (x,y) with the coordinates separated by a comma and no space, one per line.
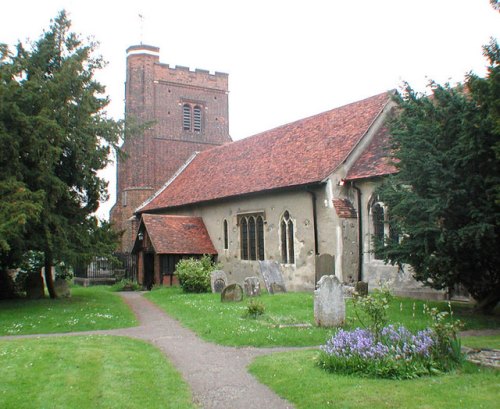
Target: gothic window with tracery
(252,237)
(287,239)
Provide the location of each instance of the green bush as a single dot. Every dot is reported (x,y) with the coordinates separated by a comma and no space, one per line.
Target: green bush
(194,274)
(255,309)
(126,285)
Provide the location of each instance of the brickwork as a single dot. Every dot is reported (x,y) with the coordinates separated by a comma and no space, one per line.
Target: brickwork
(156,93)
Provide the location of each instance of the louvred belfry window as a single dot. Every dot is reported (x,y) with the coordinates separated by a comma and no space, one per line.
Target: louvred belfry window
(197,118)
(186,117)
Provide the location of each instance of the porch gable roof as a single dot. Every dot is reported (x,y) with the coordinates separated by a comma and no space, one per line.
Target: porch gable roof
(177,234)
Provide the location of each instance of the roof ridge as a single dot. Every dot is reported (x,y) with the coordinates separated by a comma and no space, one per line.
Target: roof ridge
(160,190)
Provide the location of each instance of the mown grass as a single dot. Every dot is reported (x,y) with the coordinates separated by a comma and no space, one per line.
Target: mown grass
(296,377)
(223,323)
(89,308)
(88,372)
(482,342)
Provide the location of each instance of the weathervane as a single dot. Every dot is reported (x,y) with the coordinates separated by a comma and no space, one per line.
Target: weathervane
(141,18)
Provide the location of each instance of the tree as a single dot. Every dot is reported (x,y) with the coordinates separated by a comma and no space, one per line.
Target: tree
(58,137)
(443,200)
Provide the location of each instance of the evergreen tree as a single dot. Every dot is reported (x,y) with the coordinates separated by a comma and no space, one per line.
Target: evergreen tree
(444,198)
(57,137)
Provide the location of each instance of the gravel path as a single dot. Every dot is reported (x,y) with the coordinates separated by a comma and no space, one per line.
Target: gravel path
(216,374)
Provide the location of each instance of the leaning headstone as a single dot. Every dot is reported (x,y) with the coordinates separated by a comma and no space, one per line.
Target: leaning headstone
(324,265)
(277,288)
(61,287)
(218,280)
(361,288)
(329,304)
(252,286)
(34,286)
(271,273)
(232,293)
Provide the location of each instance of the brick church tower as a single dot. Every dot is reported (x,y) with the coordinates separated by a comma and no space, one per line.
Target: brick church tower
(188,112)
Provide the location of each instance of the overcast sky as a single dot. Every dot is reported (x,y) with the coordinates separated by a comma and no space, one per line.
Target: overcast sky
(286,59)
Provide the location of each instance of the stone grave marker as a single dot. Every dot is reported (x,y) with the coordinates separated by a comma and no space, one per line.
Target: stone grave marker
(252,286)
(61,287)
(361,288)
(218,280)
(34,286)
(277,288)
(271,273)
(329,303)
(232,293)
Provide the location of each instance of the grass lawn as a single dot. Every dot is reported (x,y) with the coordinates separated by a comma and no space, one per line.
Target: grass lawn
(295,377)
(223,323)
(88,372)
(490,342)
(88,309)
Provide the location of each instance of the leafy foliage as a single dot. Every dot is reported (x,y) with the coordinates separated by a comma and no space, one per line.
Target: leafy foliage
(444,199)
(194,275)
(54,138)
(255,309)
(373,307)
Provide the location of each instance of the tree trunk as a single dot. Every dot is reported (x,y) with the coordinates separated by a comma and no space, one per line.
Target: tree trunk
(487,304)
(49,281)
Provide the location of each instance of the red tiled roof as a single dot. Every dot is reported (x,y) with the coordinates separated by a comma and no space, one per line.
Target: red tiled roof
(374,161)
(344,209)
(299,153)
(178,234)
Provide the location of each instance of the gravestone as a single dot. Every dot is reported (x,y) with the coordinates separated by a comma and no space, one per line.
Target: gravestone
(324,265)
(34,286)
(232,293)
(361,288)
(218,280)
(61,287)
(271,273)
(252,286)
(329,304)
(277,288)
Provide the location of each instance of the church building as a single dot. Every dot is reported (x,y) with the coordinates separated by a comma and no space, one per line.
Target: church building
(301,194)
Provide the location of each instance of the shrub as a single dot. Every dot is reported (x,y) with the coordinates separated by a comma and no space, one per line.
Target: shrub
(371,310)
(126,285)
(255,309)
(194,275)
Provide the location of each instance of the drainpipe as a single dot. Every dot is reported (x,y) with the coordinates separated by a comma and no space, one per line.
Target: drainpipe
(360,233)
(315,217)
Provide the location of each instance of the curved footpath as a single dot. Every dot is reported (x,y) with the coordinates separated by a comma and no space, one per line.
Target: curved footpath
(217,375)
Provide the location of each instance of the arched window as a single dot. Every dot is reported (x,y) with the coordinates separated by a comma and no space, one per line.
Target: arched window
(378,219)
(244,238)
(252,237)
(197,118)
(260,238)
(287,239)
(186,117)
(226,238)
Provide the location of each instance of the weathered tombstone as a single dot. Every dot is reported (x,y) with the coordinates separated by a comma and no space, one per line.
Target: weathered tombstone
(272,274)
(252,286)
(61,287)
(329,304)
(277,288)
(361,288)
(324,265)
(218,280)
(348,290)
(232,293)
(34,286)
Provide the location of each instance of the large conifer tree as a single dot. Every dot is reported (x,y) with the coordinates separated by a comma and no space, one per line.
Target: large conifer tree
(57,137)
(444,198)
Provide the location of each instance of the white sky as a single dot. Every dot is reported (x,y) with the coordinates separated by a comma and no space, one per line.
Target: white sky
(286,59)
